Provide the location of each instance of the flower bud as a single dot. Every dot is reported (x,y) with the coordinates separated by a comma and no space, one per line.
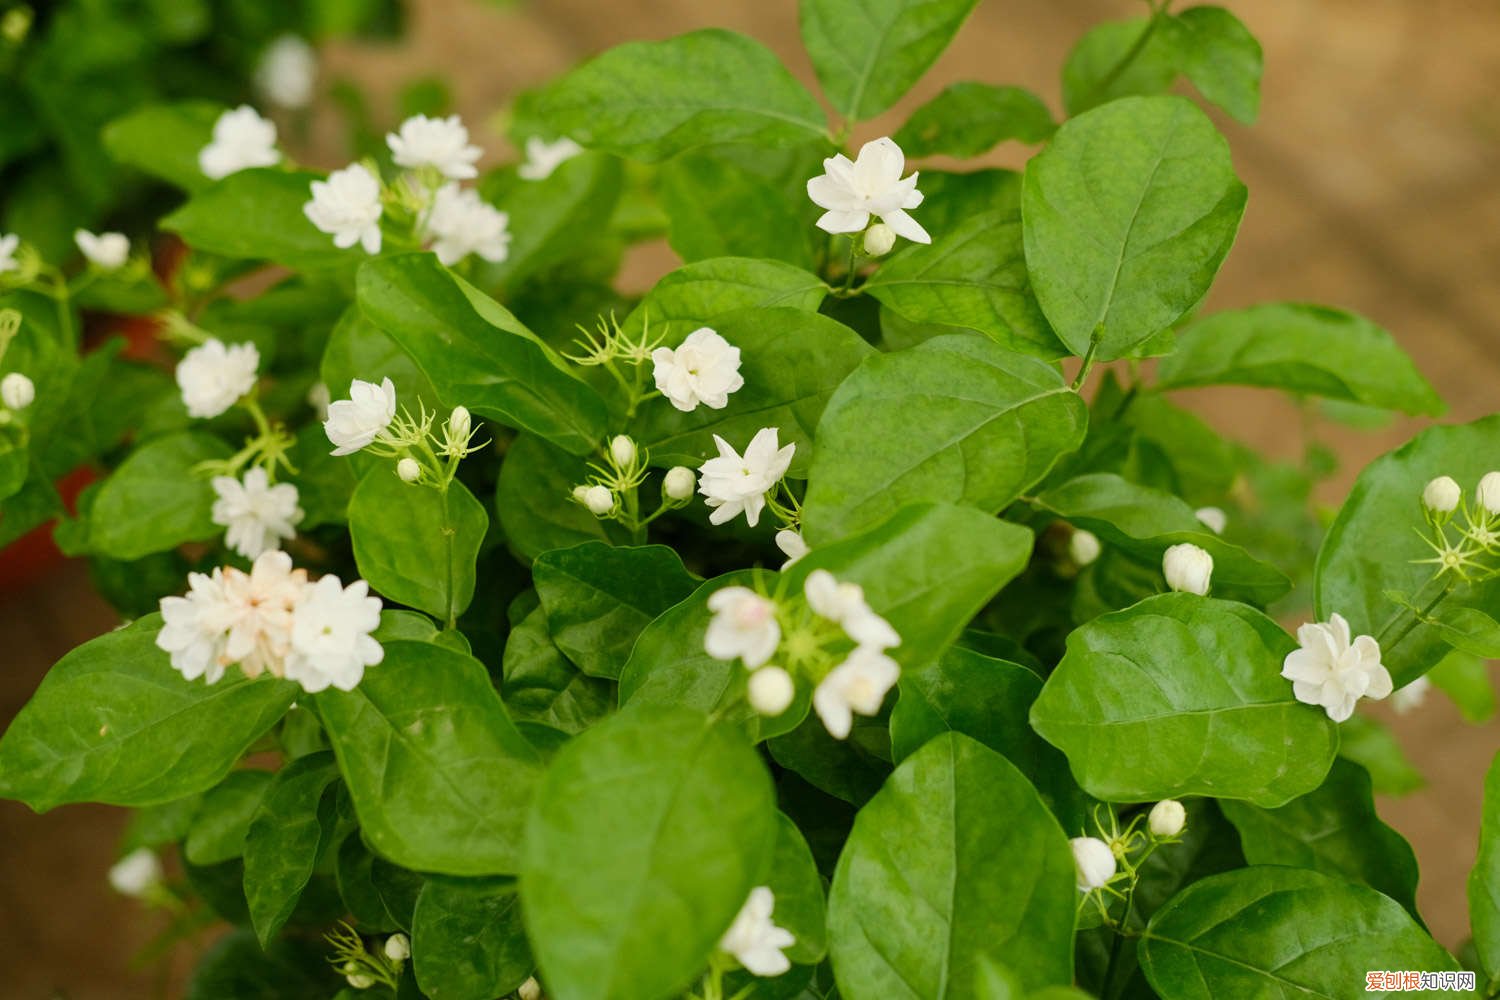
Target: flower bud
(17,391)
(136,874)
(771,690)
(530,990)
(792,545)
(598,499)
(360,981)
(460,424)
(581,493)
(1189,568)
(622,450)
(408,470)
(879,239)
(1083,547)
(1441,495)
(1212,518)
(398,947)
(680,483)
(1093,863)
(1166,819)
(1489,492)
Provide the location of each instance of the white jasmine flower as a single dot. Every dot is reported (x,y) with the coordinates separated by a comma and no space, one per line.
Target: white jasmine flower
(622,451)
(1187,568)
(408,470)
(287,71)
(1212,518)
(1441,495)
(258,515)
(704,369)
(543,157)
(233,617)
(107,251)
(17,391)
(1166,819)
(744,625)
(679,482)
(879,239)
(1488,492)
(460,223)
(242,139)
(1411,696)
(195,628)
(771,690)
(732,484)
(754,940)
(330,640)
(9,244)
(1083,547)
(318,397)
(347,207)
(1332,671)
(214,377)
(137,873)
(355,422)
(844,603)
(1093,862)
(870,185)
(441,143)
(791,545)
(598,499)
(859,684)
(398,947)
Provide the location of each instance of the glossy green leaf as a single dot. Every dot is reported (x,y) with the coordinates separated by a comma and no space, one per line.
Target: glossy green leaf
(532,499)
(869,54)
(1222,58)
(798,888)
(547,216)
(217,833)
(285,840)
(1128,214)
(440,777)
(647,834)
(954,419)
(1182,695)
(156,500)
(1304,349)
(1133,57)
(358,349)
(968,119)
(257,215)
(543,685)
(113,722)
(697,294)
(164,140)
(955,858)
(718,208)
(477,354)
(468,940)
(1484,879)
(1271,931)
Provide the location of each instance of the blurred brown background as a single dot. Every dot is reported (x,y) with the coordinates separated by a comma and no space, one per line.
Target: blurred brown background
(1372,187)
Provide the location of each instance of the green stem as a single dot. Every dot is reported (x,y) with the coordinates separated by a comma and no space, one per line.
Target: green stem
(452,559)
(1088,359)
(1418,618)
(1106,987)
(849,276)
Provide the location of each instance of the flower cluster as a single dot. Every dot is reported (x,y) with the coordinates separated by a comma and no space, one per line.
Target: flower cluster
(1098,860)
(1462,534)
(369,421)
(814,637)
(610,492)
(364,969)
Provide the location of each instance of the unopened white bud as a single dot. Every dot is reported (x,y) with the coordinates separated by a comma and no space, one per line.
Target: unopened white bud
(1489,492)
(879,239)
(1187,568)
(136,873)
(1083,547)
(599,500)
(459,424)
(771,690)
(530,990)
(398,947)
(1093,863)
(1213,518)
(408,470)
(622,450)
(1441,495)
(680,483)
(581,493)
(360,981)
(1167,818)
(17,391)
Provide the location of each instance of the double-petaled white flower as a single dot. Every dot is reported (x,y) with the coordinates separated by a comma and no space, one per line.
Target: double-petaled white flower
(1093,863)
(230,617)
(1333,670)
(744,625)
(355,422)
(1188,568)
(9,244)
(869,185)
(845,604)
(440,143)
(704,369)
(287,71)
(347,207)
(258,515)
(858,685)
(732,484)
(213,376)
(330,636)
(543,157)
(242,139)
(17,391)
(754,940)
(106,251)
(460,223)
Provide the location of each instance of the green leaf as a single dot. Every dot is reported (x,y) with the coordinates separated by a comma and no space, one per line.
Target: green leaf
(1145,522)
(1182,695)
(156,500)
(1372,746)
(1222,58)
(257,215)
(358,349)
(869,54)
(440,777)
(1333,829)
(285,840)
(113,722)
(647,834)
(798,888)
(217,833)
(1303,349)
(1371,548)
(1127,216)
(532,499)
(598,598)
(972,277)
(164,140)
(1464,677)
(468,940)
(415,544)
(954,419)
(547,216)
(968,119)
(477,354)
(956,857)
(1270,931)
(716,208)
(698,294)
(542,685)
(1118,59)
(792,361)
(325,483)
(1484,879)
(651,100)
